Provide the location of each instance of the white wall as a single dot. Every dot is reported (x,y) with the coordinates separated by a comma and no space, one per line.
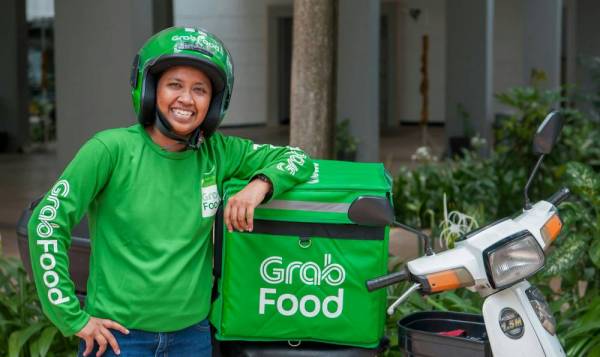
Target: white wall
(242,25)
(357,73)
(508,48)
(432,21)
(527,35)
(469,65)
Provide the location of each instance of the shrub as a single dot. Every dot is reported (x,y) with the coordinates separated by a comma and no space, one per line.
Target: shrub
(489,188)
(24,330)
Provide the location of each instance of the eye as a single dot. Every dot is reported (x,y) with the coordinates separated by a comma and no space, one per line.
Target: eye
(200,90)
(174,85)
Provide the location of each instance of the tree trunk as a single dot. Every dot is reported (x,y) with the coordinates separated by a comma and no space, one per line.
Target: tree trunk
(313,77)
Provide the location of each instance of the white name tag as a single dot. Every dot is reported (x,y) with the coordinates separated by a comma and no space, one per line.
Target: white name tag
(210,200)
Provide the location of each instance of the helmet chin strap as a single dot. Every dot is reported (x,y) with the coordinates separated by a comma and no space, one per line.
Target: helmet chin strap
(192,142)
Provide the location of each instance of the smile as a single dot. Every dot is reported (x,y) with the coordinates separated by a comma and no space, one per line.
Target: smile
(182,113)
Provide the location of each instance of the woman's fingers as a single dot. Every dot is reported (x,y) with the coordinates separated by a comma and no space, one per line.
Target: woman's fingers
(115,326)
(112,341)
(233,212)
(89,345)
(235,215)
(250,218)
(239,211)
(101,344)
(241,218)
(99,330)
(227,215)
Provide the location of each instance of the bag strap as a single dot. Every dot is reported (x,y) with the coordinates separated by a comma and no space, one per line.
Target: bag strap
(217,252)
(218,243)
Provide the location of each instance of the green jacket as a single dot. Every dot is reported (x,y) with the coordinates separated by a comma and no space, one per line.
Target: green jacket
(150,217)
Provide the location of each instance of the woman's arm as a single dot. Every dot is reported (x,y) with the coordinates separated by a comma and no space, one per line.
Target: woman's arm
(50,234)
(272,170)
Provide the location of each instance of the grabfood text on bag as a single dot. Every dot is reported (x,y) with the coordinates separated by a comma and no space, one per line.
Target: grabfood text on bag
(45,229)
(273,271)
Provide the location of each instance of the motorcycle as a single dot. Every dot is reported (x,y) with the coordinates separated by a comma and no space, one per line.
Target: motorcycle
(494,261)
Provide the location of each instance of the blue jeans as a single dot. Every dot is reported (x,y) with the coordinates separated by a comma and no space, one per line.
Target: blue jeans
(189,342)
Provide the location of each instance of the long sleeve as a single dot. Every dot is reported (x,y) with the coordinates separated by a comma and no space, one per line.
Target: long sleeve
(50,233)
(284,166)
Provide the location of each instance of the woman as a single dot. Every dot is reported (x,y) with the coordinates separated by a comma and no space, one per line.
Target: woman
(151,192)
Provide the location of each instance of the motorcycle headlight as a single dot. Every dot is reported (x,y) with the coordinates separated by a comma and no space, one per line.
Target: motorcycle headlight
(513,259)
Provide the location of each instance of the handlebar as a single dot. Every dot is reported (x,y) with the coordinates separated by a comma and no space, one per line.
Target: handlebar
(559,196)
(387,280)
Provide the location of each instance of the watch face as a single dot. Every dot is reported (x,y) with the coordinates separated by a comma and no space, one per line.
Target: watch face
(511,323)
(542,309)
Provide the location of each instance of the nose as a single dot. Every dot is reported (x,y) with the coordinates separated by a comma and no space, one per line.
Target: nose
(185,97)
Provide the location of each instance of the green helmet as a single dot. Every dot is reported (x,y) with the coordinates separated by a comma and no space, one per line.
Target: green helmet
(182,46)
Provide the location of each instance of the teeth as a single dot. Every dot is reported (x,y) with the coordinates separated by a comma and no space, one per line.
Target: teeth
(182,113)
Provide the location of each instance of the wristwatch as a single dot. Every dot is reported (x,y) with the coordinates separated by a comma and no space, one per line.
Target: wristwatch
(264,178)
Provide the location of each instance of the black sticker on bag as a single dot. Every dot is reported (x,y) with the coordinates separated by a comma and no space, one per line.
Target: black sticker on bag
(511,323)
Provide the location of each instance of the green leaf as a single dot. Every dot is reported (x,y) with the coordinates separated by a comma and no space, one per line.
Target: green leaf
(583,329)
(576,349)
(460,303)
(34,349)
(9,303)
(583,180)
(435,304)
(595,351)
(18,338)
(566,256)
(45,340)
(594,253)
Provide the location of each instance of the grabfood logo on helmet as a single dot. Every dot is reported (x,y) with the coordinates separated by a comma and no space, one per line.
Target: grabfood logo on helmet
(196,38)
(274,271)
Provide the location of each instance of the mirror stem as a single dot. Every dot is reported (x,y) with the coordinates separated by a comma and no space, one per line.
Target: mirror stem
(530,180)
(420,235)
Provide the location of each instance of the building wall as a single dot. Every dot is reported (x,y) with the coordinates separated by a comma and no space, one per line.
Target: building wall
(508,48)
(542,41)
(95,43)
(431,21)
(586,44)
(242,25)
(246,29)
(469,66)
(358,73)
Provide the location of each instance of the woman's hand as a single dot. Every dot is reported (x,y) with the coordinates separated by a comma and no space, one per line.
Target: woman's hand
(98,330)
(239,212)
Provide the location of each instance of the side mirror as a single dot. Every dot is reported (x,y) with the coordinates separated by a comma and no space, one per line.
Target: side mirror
(547,133)
(544,140)
(371,211)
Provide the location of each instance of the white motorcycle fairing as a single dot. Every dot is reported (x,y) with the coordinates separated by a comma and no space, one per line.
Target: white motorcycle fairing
(524,334)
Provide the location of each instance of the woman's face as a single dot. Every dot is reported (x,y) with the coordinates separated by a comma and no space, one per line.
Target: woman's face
(183,96)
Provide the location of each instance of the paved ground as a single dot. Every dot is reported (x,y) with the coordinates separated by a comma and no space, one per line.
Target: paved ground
(26,176)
